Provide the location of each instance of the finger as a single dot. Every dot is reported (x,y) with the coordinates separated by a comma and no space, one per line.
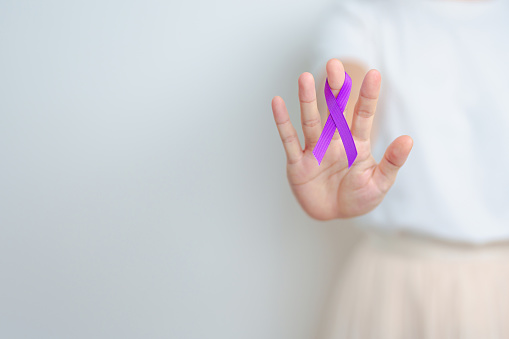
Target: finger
(364,110)
(394,157)
(310,117)
(335,74)
(336,77)
(287,133)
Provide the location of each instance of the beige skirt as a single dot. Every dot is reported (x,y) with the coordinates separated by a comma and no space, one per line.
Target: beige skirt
(407,286)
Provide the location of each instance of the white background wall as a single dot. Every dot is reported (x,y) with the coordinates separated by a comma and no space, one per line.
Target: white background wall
(143,190)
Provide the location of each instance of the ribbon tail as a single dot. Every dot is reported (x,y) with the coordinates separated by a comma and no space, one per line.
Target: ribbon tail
(324,140)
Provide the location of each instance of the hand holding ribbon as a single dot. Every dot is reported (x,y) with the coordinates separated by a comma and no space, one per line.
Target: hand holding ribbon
(337,185)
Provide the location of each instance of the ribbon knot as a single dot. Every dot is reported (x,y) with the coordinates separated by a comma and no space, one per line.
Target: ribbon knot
(336,120)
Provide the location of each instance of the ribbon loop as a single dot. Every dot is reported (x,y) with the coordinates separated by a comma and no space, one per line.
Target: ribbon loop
(337,120)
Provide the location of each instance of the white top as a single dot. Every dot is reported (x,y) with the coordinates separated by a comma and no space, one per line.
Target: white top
(445,82)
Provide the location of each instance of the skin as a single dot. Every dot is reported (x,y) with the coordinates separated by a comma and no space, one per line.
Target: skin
(332,190)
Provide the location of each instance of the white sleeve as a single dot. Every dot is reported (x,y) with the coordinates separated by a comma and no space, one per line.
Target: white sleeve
(346,31)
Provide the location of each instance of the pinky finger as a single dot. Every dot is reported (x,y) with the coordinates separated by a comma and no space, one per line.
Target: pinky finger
(286,130)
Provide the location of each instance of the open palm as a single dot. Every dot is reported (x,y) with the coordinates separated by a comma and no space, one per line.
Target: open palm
(332,190)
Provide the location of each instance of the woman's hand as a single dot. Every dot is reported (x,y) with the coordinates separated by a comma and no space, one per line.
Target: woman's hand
(332,190)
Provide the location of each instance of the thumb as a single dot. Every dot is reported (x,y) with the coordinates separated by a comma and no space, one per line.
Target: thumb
(394,157)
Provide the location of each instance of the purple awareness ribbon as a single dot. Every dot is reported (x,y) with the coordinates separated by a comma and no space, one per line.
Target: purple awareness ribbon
(337,120)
